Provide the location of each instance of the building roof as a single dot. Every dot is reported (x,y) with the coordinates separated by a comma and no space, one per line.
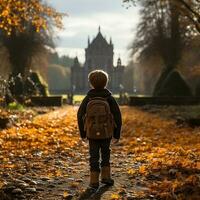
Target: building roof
(99,40)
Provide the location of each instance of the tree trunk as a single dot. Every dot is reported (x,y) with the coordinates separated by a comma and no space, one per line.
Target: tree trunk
(170,46)
(19,53)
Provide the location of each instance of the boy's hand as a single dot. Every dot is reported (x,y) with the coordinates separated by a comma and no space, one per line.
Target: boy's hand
(115,141)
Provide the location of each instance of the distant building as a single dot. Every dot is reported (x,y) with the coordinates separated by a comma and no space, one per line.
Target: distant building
(98,55)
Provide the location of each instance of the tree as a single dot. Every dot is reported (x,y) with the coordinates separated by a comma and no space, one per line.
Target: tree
(189,8)
(26,30)
(63,60)
(164,31)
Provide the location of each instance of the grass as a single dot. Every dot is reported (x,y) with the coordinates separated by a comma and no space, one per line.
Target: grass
(78,98)
(15,106)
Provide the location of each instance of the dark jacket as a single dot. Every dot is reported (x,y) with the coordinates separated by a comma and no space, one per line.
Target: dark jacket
(113,107)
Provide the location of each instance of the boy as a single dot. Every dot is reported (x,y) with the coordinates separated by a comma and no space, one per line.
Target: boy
(99,98)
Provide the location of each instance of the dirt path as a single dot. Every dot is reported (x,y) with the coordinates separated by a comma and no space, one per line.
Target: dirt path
(45,159)
(75,183)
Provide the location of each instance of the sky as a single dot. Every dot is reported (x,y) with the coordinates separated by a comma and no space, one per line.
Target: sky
(83,19)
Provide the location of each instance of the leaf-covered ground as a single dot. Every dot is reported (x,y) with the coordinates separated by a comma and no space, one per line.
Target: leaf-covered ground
(157,158)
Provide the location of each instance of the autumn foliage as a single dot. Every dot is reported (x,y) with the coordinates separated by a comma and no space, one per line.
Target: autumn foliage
(16,14)
(159,153)
(27,22)
(34,140)
(168,154)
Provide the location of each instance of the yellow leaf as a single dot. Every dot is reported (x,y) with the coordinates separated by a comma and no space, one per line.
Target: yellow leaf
(131,171)
(142,170)
(65,194)
(115,196)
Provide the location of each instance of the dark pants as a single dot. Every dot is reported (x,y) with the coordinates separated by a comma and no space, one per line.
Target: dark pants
(97,146)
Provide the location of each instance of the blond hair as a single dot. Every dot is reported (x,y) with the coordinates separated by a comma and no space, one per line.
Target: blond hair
(98,79)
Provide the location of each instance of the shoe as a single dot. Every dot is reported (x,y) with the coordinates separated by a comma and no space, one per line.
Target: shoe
(106,176)
(94,180)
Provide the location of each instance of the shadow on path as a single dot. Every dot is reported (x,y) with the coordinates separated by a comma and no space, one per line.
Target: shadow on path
(91,194)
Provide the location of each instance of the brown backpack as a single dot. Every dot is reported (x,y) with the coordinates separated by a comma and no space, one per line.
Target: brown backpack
(98,121)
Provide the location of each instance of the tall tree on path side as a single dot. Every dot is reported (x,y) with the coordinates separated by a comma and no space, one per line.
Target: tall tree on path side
(164,30)
(189,8)
(26,30)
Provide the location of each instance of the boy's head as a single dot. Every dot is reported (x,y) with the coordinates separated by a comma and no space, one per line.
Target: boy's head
(98,79)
